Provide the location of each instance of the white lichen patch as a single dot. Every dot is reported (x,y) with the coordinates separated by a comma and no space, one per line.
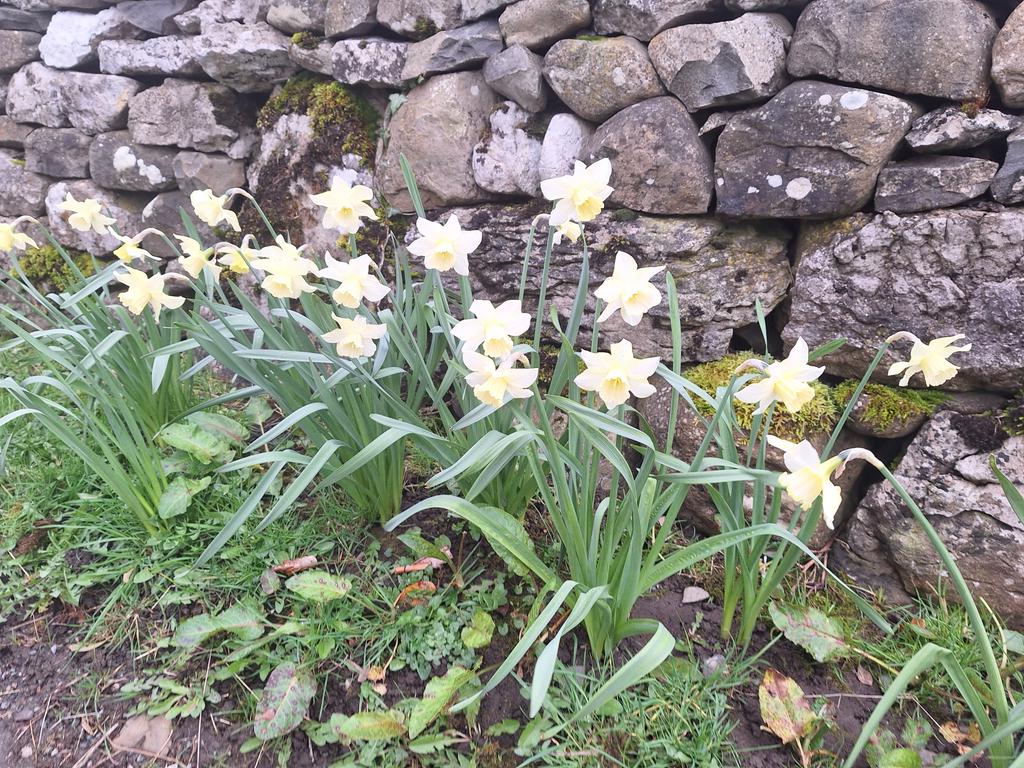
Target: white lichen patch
(799,188)
(824,100)
(125,160)
(774,181)
(752,190)
(853,100)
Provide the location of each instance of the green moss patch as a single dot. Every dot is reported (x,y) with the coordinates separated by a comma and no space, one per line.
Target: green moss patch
(887,406)
(46,267)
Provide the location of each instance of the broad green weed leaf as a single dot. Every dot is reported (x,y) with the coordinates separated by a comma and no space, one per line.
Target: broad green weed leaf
(220,425)
(784,709)
(192,632)
(478,633)
(242,619)
(369,726)
(205,447)
(436,697)
(177,496)
(818,634)
(284,702)
(318,586)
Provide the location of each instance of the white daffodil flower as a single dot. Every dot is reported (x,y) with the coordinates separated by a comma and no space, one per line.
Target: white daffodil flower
(286,269)
(212,209)
(495,385)
(616,374)
(196,258)
(354,337)
(445,247)
(628,291)
(145,291)
(86,214)
(355,281)
(785,381)
(569,230)
(493,327)
(580,196)
(345,206)
(809,477)
(11,238)
(931,359)
(237,258)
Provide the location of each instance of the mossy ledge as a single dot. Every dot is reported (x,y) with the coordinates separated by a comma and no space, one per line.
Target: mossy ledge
(45,266)
(887,406)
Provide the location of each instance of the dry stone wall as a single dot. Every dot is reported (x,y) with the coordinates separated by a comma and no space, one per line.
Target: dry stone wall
(857,166)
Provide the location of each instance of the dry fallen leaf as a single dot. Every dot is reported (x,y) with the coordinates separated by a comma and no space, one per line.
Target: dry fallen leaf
(422,564)
(863,676)
(412,589)
(295,565)
(148,734)
(963,741)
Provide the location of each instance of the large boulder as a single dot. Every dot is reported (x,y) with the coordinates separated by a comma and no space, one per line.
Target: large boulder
(72,38)
(939,48)
(725,63)
(118,163)
(538,23)
(597,78)
(419,18)
(1008,184)
(933,274)
(21,192)
(946,470)
(437,128)
(659,163)
(564,142)
(249,58)
(17,49)
(171,56)
(298,15)
(1008,60)
(451,50)
(518,74)
(373,61)
(643,19)
(203,116)
(124,208)
(936,181)
(507,161)
(814,150)
(59,152)
(951,129)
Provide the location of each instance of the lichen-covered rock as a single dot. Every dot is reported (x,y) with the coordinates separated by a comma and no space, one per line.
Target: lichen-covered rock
(26,21)
(125,208)
(154,16)
(814,150)
(946,470)
(937,48)
(293,16)
(313,57)
(419,18)
(249,58)
(17,49)
(643,19)
(659,164)
(59,152)
(437,128)
(743,6)
(933,274)
(474,9)
(12,134)
(597,78)
(936,181)
(211,12)
(119,163)
(539,23)
(451,50)
(203,116)
(72,38)
(507,162)
(58,99)
(171,56)
(951,128)
(564,141)
(373,61)
(1008,184)
(202,170)
(349,17)
(1008,60)
(724,63)
(518,74)
(21,191)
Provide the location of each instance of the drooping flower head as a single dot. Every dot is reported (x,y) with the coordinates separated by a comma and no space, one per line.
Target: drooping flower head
(445,246)
(616,374)
(931,359)
(286,269)
(785,381)
(237,258)
(11,238)
(212,209)
(629,291)
(145,291)
(579,197)
(355,281)
(130,248)
(569,230)
(86,214)
(495,385)
(345,206)
(196,258)
(354,337)
(808,477)
(493,327)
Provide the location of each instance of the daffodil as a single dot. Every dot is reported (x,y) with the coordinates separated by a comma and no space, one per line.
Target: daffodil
(495,385)
(237,258)
(86,214)
(345,206)
(354,337)
(145,291)
(286,269)
(786,381)
(492,326)
(355,281)
(616,374)
(809,477)
(931,359)
(445,247)
(196,258)
(11,238)
(569,230)
(212,209)
(628,291)
(129,250)
(579,197)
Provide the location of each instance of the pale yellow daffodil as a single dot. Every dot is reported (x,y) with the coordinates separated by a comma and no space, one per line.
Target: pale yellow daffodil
(785,381)
(212,209)
(808,477)
(445,246)
(85,215)
(931,359)
(286,269)
(356,282)
(616,374)
(569,230)
(628,291)
(11,238)
(580,196)
(495,385)
(145,291)
(493,327)
(237,258)
(354,337)
(345,206)
(196,258)
(130,248)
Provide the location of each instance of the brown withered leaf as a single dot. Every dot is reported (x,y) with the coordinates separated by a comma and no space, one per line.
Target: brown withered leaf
(295,565)
(409,593)
(784,708)
(964,741)
(422,564)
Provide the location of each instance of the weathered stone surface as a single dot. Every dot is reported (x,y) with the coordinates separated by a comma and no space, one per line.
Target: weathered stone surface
(717,121)
(1008,184)
(72,38)
(154,16)
(21,191)
(213,171)
(249,58)
(742,6)
(171,56)
(937,181)
(451,50)
(58,99)
(419,18)
(118,163)
(372,61)
(643,19)
(314,58)
(17,49)
(125,208)
(28,21)
(951,128)
(518,73)
(349,17)
(507,161)
(5,81)
(564,142)
(725,63)
(211,12)
(12,134)
(946,470)
(597,78)
(1008,60)
(813,150)
(437,128)
(659,164)
(293,16)
(59,152)
(163,212)
(539,23)
(474,9)
(203,116)
(935,48)
(933,274)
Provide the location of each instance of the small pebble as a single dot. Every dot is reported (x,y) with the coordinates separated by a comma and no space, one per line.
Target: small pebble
(711,665)
(26,751)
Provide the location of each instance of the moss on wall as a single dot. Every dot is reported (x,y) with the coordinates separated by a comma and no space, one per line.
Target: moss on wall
(887,406)
(45,266)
